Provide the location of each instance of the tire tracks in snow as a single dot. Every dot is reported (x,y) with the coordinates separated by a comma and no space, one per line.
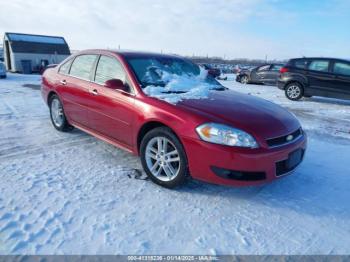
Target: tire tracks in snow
(25,150)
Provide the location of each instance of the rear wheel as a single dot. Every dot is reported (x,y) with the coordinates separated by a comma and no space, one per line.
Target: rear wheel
(294,91)
(163,158)
(57,115)
(244,79)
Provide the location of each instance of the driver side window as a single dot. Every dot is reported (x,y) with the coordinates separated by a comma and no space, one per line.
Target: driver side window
(109,68)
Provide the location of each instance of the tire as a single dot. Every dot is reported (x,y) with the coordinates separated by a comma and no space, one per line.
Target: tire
(294,91)
(58,118)
(170,170)
(244,79)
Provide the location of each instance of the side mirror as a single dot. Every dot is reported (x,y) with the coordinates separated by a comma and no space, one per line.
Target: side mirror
(116,84)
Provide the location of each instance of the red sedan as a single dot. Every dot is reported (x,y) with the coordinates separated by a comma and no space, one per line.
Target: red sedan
(180,121)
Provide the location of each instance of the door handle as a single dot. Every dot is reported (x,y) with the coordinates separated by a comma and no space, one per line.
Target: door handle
(94,92)
(63,82)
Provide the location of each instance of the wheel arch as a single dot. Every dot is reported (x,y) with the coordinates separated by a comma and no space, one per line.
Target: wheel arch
(300,79)
(294,81)
(51,93)
(148,126)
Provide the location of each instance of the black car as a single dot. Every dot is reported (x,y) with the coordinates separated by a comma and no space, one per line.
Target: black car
(328,77)
(265,74)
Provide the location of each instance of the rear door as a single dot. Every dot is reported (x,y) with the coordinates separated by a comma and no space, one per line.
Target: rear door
(75,80)
(272,75)
(112,112)
(319,76)
(341,82)
(260,73)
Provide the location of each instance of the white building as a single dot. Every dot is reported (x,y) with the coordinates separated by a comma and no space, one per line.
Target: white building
(30,53)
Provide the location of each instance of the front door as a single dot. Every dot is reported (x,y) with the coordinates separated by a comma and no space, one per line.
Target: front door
(259,74)
(112,112)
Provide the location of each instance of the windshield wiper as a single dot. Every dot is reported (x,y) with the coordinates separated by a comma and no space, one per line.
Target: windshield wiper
(174,92)
(152,84)
(221,88)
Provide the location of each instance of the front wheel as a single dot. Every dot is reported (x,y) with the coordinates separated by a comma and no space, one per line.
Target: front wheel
(294,91)
(244,79)
(58,118)
(163,158)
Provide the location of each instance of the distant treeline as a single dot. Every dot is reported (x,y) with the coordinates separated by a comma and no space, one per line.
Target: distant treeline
(237,61)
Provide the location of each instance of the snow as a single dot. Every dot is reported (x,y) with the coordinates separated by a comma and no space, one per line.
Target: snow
(69,193)
(194,87)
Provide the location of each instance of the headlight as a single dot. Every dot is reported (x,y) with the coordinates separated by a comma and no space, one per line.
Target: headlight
(225,135)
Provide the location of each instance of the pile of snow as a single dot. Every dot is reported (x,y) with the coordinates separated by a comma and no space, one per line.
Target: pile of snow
(180,87)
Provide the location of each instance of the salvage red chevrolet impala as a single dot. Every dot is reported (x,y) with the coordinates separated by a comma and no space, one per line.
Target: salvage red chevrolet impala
(179,120)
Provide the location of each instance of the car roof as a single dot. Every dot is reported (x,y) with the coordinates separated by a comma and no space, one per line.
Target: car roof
(131,54)
(321,58)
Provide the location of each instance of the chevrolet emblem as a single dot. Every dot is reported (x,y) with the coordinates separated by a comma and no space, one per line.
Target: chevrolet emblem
(289,138)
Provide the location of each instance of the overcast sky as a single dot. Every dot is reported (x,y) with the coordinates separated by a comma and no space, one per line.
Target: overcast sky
(231,28)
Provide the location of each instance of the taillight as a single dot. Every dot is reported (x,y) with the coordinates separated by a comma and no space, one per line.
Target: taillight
(284,70)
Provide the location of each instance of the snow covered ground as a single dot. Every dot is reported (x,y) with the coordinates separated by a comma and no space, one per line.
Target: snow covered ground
(69,193)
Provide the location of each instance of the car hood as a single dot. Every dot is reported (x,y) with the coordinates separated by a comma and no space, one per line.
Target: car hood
(257,116)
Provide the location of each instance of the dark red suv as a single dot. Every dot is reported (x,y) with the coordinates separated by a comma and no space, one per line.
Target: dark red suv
(181,122)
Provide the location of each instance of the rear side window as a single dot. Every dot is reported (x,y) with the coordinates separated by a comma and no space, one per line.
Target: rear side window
(319,65)
(341,68)
(276,67)
(82,66)
(302,63)
(109,68)
(64,69)
(264,68)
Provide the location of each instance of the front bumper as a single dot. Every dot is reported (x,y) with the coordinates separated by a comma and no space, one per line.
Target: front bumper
(205,159)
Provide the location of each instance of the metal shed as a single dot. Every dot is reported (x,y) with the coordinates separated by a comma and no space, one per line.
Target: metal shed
(25,53)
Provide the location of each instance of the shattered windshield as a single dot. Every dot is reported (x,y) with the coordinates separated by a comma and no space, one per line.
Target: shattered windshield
(159,71)
(173,79)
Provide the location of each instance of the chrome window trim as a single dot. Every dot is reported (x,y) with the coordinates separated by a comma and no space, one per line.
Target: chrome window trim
(93,81)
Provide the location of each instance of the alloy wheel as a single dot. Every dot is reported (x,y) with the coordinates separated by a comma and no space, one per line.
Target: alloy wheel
(162,159)
(57,112)
(244,80)
(293,91)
